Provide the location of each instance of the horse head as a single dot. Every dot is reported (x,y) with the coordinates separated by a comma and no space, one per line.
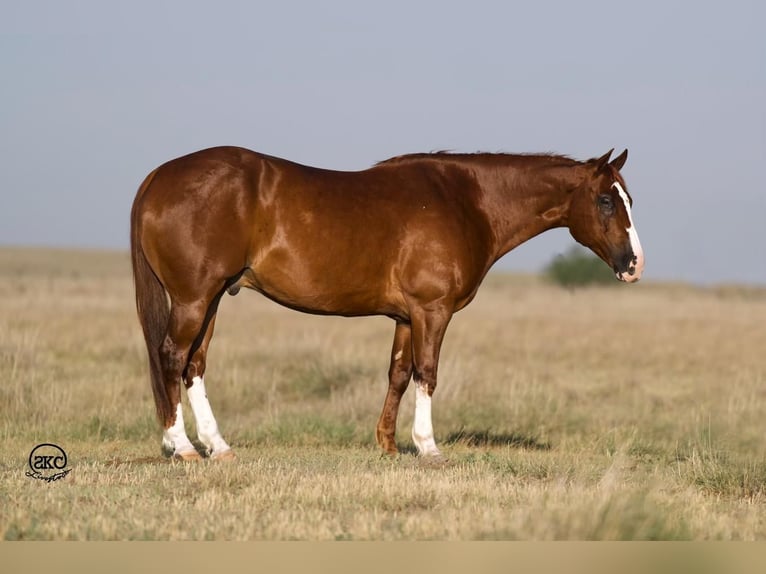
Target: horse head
(600,217)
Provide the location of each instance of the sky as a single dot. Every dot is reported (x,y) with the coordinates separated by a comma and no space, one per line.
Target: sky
(94,95)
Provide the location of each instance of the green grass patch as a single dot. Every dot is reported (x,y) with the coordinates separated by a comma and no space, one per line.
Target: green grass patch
(578,268)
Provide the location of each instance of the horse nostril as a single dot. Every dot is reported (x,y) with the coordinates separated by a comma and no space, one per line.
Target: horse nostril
(632,271)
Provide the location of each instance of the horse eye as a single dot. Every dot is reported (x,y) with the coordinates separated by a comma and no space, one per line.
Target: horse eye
(605,202)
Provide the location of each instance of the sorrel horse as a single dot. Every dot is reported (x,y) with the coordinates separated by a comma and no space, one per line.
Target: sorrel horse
(410,238)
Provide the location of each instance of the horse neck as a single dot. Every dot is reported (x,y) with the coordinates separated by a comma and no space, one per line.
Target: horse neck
(527,196)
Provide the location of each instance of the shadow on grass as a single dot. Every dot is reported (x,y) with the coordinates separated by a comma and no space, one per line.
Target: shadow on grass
(488,438)
(483,438)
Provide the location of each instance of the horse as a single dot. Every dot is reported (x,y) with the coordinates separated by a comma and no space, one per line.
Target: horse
(410,238)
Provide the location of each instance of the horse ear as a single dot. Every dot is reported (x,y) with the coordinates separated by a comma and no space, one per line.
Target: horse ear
(619,161)
(603,160)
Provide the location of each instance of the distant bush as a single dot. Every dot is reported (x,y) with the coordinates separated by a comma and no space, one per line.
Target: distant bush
(577,268)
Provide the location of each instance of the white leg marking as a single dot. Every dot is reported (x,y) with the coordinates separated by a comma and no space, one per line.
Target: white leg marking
(422,429)
(207,428)
(398,355)
(174,439)
(635,244)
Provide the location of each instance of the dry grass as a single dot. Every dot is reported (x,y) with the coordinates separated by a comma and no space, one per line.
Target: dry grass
(604,413)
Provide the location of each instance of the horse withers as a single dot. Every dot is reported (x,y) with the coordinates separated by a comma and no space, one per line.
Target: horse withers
(410,238)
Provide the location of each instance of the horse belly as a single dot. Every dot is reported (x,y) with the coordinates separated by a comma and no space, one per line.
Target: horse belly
(326,283)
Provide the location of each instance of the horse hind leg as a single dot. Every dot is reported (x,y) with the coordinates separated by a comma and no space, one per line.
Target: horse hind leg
(184,326)
(207,427)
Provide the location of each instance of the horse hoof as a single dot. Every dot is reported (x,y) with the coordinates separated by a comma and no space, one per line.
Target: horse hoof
(188,455)
(225,455)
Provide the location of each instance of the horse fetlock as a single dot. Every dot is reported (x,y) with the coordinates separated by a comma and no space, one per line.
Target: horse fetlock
(179,452)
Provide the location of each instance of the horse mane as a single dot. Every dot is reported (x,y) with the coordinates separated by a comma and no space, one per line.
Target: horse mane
(548,157)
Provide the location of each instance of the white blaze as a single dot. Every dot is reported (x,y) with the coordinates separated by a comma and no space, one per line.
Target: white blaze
(422,429)
(207,427)
(635,244)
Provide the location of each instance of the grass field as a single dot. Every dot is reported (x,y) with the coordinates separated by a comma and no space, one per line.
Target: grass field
(625,412)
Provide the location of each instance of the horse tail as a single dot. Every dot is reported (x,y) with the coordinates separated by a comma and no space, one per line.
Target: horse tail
(152,307)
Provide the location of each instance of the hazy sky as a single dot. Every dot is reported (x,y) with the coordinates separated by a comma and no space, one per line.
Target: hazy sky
(94,95)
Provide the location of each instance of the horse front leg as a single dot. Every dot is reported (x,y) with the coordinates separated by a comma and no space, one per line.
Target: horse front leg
(399,374)
(428,328)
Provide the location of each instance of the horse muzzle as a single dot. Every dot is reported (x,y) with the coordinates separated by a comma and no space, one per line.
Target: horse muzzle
(631,267)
